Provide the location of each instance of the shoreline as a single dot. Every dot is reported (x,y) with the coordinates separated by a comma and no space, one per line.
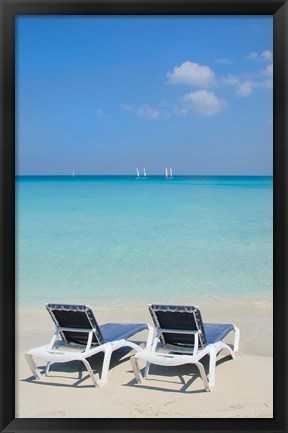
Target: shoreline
(250,315)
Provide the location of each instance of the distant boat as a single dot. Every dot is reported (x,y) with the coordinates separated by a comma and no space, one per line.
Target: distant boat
(138,174)
(167,175)
(144,174)
(73,173)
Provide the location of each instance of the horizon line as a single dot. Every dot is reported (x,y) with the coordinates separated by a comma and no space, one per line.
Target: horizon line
(148,175)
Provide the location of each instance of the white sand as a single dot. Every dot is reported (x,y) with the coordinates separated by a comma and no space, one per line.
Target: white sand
(243,386)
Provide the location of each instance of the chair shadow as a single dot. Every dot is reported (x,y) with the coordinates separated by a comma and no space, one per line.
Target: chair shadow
(169,373)
(119,356)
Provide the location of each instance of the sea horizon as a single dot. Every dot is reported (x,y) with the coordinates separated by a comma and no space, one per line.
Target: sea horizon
(148,175)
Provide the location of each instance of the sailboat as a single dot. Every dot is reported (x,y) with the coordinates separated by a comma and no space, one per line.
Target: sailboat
(144,174)
(167,176)
(73,172)
(138,174)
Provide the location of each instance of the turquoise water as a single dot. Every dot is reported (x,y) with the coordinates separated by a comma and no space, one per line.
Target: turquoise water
(92,238)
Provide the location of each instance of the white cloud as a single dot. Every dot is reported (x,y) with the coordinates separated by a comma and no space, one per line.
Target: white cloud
(163,103)
(244,89)
(223,61)
(192,74)
(245,86)
(252,56)
(126,107)
(147,111)
(181,110)
(268,70)
(266,55)
(266,78)
(231,80)
(201,102)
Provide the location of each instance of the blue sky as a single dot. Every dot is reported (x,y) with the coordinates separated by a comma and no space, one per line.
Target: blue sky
(104,95)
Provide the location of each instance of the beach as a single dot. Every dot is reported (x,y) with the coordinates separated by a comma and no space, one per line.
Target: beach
(243,386)
(117,244)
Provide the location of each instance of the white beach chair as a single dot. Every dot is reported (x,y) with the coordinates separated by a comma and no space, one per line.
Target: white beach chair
(182,338)
(81,337)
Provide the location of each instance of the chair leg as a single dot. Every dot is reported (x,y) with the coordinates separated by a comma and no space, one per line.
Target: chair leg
(220,346)
(236,339)
(146,371)
(136,369)
(47,368)
(203,376)
(106,365)
(90,371)
(212,366)
(150,337)
(35,370)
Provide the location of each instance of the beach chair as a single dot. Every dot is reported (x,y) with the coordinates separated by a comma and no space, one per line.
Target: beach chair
(78,336)
(182,338)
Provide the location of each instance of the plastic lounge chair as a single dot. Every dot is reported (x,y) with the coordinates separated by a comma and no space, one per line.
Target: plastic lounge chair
(182,338)
(81,337)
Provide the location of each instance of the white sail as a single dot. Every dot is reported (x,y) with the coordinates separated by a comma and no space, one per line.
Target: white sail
(144,172)
(137,171)
(73,173)
(166,172)
(171,174)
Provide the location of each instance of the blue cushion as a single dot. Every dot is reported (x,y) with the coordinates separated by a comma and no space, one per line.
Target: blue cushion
(216,332)
(117,331)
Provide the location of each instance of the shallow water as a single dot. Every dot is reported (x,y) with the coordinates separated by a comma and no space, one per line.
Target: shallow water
(111,238)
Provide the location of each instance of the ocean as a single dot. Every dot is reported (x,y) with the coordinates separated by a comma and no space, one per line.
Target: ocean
(92,239)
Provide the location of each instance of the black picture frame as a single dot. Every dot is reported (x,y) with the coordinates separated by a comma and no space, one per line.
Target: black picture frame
(276,8)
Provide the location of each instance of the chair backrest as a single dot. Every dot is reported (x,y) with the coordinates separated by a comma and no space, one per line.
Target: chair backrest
(75,317)
(178,317)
